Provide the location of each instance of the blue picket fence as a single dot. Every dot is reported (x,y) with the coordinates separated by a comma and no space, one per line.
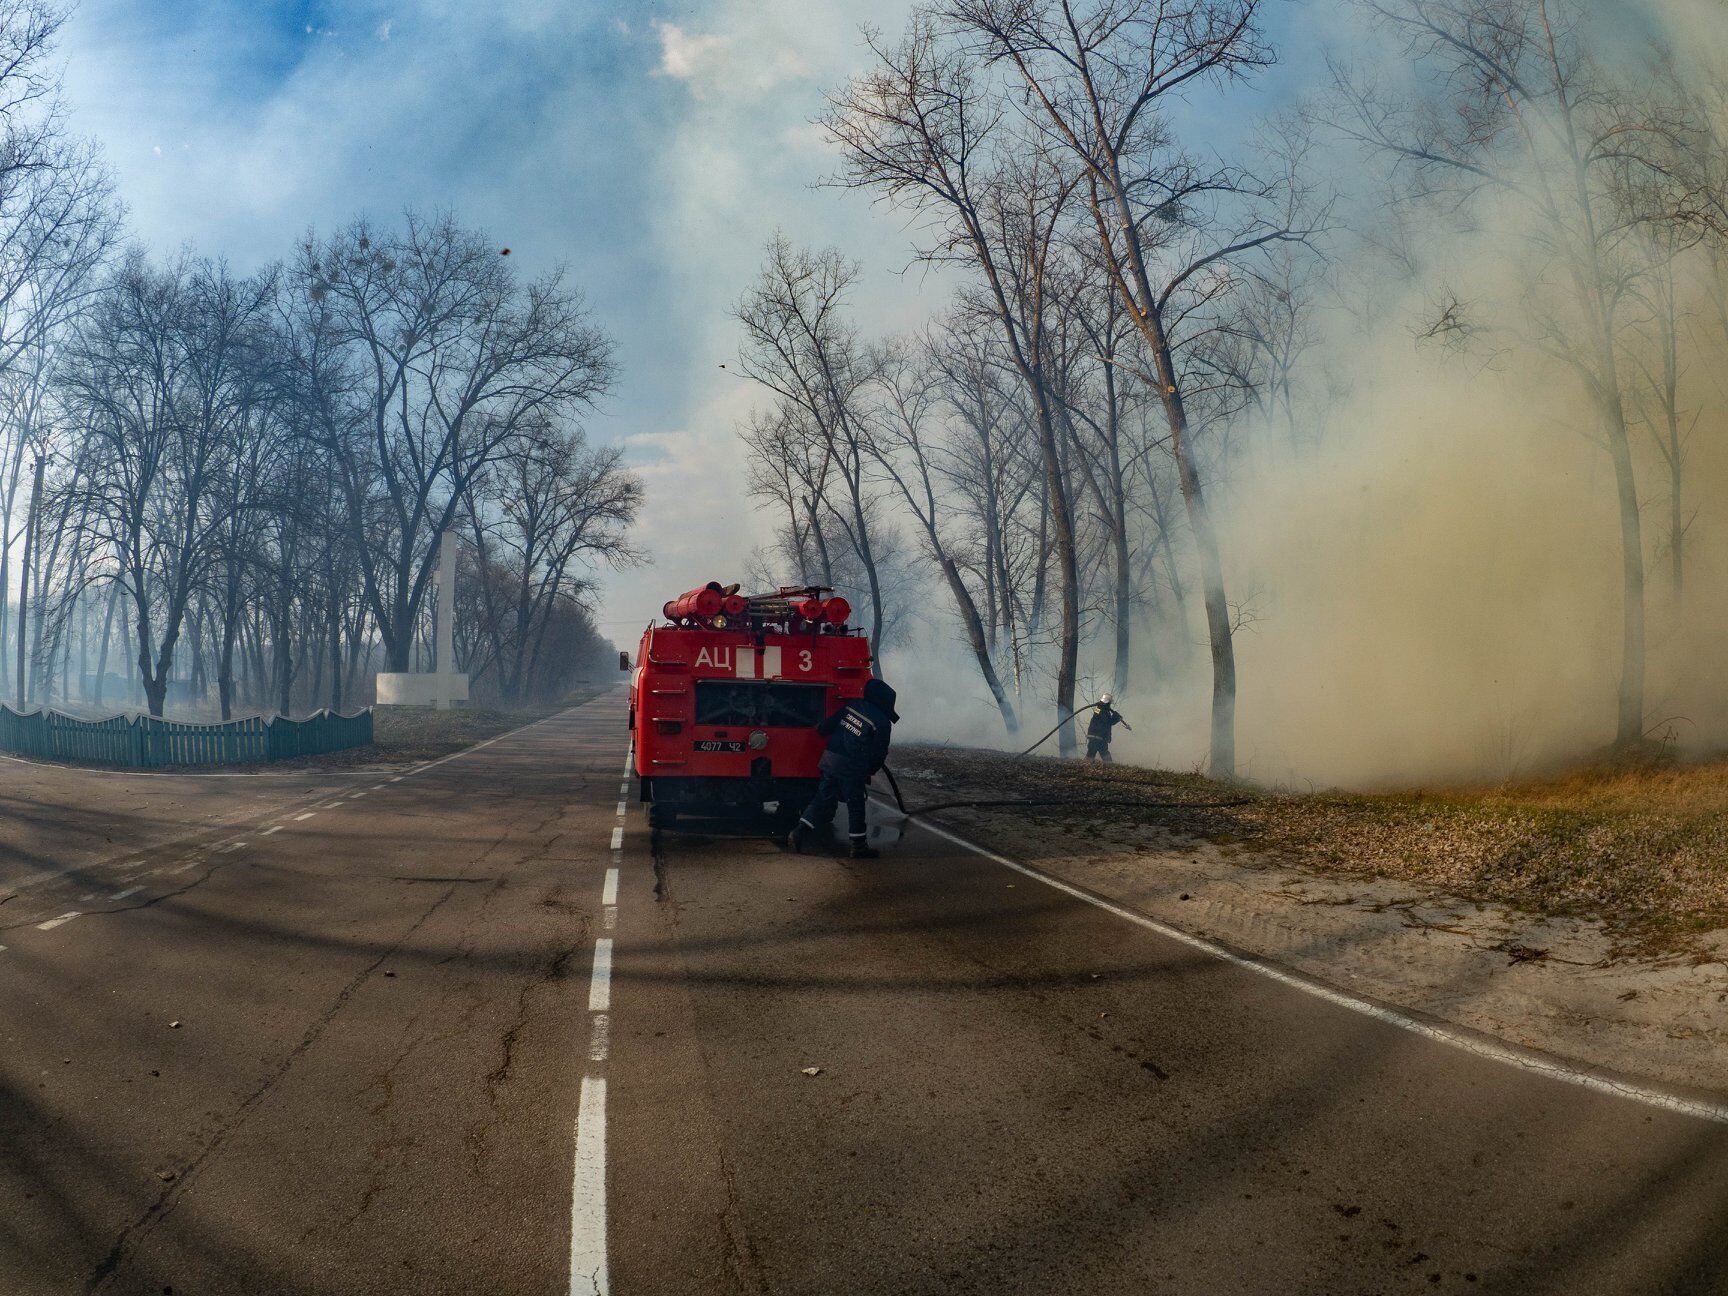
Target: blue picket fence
(144,742)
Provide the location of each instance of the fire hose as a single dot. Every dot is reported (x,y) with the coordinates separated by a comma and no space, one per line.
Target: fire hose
(900,801)
(1066,720)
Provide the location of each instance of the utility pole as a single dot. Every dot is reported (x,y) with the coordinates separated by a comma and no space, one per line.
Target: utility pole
(30,522)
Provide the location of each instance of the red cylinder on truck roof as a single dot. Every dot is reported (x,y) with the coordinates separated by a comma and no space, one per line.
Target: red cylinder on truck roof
(835,611)
(810,609)
(697,604)
(734,605)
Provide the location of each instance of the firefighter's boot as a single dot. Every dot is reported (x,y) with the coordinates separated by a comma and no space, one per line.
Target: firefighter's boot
(798,838)
(861,851)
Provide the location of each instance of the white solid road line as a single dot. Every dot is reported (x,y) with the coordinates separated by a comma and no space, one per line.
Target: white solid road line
(588,1275)
(609,892)
(600,988)
(65,918)
(1480,1046)
(618,838)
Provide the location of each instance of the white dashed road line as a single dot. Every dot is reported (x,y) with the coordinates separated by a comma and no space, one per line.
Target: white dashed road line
(600,988)
(307,815)
(121,895)
(61,921)
(588,1276)
(272,828)
(588,1263)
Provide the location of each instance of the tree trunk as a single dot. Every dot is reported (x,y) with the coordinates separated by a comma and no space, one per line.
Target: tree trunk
(1218,628)
(980,645)
(1629,719)
(23,679)
(225,670)
(102,652)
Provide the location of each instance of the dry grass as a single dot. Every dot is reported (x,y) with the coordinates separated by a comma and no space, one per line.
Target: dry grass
(1643,850)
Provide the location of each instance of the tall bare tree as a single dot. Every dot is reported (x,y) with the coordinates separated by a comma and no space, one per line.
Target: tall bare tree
(420,357)
(799,344)
(927,133)
(1516,107)
(1097,76)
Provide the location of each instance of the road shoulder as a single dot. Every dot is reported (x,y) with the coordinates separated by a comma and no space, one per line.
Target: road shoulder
(1552,984)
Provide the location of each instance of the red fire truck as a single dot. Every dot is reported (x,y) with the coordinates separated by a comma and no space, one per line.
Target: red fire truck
(726,695)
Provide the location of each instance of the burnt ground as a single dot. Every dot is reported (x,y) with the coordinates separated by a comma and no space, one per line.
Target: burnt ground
(1643,852)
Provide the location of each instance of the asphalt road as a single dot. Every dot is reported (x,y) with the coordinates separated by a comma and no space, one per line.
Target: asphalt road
(428,1041)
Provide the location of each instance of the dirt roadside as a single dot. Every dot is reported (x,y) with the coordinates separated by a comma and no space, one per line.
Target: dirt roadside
(1565,983)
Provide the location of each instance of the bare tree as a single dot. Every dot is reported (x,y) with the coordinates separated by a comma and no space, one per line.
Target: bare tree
(1516,107)
(419,358)
(800,346)
(902,428)
(1097,75)
(927,134)
(538,521)
(159,384)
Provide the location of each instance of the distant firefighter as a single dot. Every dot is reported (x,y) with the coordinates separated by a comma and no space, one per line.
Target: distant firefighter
(858,736)
(1104,718)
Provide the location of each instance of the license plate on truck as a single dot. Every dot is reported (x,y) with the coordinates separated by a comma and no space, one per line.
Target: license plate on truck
(715,745)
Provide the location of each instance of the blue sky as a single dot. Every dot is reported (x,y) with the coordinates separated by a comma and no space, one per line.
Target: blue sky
(651,148)
(234,126)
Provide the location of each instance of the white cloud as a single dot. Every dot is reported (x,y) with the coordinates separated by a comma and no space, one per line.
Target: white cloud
(383,32)
(715,64)
(688,57)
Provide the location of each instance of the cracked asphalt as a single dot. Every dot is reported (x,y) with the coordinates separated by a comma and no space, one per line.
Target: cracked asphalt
(385,1020)
(371,1085)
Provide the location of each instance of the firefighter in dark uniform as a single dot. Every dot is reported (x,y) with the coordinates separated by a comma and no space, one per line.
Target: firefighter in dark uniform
(858,735)
(1104,718)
